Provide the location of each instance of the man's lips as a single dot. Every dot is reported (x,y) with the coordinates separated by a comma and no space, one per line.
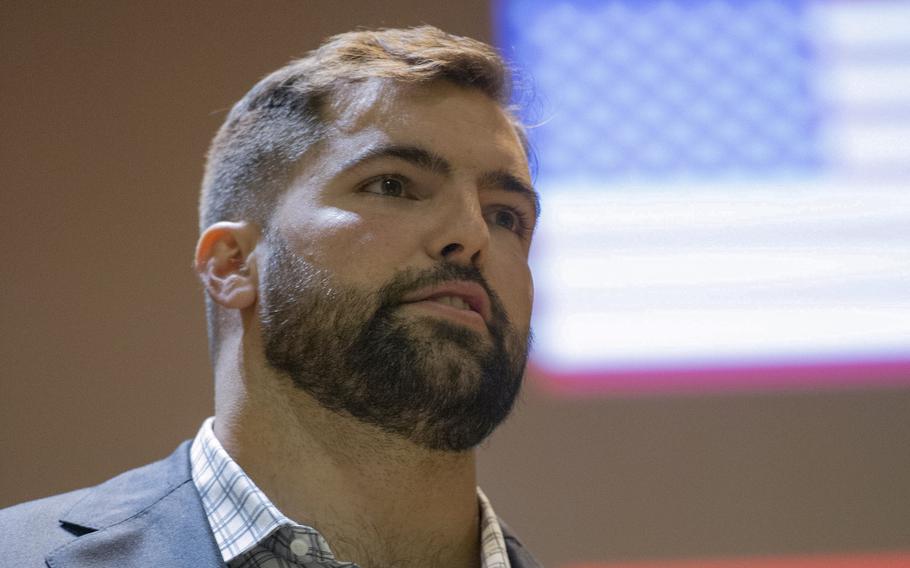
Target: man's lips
(456,295)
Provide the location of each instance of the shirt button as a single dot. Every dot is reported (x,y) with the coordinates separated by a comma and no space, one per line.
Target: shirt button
(299,547)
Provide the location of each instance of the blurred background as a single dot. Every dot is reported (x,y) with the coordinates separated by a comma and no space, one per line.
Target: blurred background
(722,368)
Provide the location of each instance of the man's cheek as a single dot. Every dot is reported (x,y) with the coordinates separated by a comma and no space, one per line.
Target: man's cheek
(515,286)
(334,244)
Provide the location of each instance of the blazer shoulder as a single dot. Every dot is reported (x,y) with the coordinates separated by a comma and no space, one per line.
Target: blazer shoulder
(30,530)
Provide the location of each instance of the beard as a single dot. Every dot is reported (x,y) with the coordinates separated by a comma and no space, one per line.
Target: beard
(440,385)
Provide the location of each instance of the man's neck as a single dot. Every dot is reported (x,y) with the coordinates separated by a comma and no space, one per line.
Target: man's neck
(378,500)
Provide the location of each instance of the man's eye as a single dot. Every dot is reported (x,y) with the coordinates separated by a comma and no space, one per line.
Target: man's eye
(505,219)
(389,186)
(510,219)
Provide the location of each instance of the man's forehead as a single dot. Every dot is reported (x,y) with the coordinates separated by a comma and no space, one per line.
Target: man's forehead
(374,111)
(385,102)
(357,105)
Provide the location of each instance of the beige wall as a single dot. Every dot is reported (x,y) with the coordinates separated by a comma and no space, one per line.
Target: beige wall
(107,109)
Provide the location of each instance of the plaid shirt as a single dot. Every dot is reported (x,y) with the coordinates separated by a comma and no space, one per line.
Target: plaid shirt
(252,533)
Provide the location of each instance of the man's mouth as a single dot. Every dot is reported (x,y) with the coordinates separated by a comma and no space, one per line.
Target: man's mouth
(464,301)
(453,301)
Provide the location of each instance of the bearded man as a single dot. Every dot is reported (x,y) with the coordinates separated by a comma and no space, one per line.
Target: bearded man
(366,217)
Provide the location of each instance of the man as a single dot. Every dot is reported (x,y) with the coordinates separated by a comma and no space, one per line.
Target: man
(366,217)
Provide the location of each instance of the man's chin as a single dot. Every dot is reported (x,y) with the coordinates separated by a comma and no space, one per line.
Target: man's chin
(441,336)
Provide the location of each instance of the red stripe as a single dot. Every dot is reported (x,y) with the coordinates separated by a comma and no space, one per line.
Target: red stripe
(726,378)
(873,560)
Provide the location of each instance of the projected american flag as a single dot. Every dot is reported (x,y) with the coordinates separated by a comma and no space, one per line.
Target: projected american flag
(726,190)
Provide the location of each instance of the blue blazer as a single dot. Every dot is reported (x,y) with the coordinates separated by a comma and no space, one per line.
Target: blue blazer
(150,516)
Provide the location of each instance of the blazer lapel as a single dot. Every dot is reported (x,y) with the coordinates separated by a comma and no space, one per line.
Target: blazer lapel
(151,516)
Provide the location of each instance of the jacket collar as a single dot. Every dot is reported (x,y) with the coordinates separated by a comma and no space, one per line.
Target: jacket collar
(149,516)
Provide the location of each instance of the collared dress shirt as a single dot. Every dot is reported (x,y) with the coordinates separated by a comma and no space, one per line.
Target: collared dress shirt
(252,533)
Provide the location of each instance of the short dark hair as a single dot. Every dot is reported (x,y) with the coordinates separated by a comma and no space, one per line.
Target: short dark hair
(267,132)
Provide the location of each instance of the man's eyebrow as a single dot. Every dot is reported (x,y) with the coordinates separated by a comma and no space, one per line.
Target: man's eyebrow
(433,162)
(504,180)
(416,155)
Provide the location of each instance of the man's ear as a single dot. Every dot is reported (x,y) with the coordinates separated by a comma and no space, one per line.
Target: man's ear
(226,264)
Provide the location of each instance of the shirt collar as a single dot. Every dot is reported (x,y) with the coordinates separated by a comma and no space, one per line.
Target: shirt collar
(241,516)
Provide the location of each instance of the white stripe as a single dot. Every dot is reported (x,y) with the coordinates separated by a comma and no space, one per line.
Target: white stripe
(844,85)
(869,23)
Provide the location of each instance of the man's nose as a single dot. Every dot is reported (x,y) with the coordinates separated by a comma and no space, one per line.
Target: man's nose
(461,235)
